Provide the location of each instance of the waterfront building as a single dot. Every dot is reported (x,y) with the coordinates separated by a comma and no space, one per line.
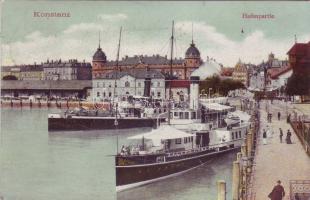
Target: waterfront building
(179,90)
(241,73)
(181,68)
(66,70)
(46,89)
(257,81)
(299,58)
(128,83)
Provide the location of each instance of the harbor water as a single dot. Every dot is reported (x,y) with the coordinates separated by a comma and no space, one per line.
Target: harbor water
(39,165)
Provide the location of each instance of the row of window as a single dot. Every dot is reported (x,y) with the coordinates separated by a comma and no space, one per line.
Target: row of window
(104,94)
(234,135)
(184,115)
(127,84)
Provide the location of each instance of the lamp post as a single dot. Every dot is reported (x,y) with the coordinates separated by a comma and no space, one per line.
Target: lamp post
(210,94)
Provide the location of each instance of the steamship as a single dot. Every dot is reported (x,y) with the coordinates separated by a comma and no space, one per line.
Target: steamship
(193,136)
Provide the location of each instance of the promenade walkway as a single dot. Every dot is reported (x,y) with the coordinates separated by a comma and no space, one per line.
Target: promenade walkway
(278,161)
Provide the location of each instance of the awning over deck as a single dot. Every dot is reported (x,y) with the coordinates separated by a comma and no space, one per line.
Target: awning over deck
(216,106)
(162,133)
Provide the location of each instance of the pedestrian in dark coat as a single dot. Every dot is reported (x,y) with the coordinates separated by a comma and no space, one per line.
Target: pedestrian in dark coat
(264,137)
(277,192)
(288,137)
(281,135)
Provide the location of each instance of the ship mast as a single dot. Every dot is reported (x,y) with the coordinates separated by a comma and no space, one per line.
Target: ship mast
(170,74)
(116,74)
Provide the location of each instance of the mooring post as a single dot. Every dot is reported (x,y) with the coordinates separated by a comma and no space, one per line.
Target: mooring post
(236,180)
(243,150)
(249,143)
(221,190)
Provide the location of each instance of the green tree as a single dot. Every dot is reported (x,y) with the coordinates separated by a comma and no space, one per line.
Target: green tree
(220,86)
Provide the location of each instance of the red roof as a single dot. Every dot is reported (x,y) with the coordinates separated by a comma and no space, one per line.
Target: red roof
(299,48)
(180,83)
(276,72)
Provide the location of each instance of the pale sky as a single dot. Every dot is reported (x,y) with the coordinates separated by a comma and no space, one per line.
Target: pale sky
(147,29)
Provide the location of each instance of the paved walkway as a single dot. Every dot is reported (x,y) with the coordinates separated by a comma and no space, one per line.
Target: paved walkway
(278,161)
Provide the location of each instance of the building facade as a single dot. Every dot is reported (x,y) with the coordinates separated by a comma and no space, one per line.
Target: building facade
(66,70)
(128,83)
(241,73)
(299,58)
(181,68)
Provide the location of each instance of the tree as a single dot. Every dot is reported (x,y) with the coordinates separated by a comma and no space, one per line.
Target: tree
(222,86)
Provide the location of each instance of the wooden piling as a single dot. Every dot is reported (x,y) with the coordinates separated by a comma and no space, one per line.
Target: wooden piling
(249,143)
(221,190)
(243,150)
(236,180)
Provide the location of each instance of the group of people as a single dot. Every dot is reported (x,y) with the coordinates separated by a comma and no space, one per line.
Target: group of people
(288,136)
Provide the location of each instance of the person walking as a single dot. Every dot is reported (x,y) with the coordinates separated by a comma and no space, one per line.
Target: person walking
(264,137)
(288,137)
(281,135)
(277,192)
(279,116)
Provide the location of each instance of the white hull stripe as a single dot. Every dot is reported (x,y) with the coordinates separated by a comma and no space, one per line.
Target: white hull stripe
(174,161)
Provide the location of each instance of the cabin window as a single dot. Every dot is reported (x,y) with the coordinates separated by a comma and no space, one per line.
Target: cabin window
(193,115)
(181,115)
(178,141)
(186,115)
(239,134)
(232,136)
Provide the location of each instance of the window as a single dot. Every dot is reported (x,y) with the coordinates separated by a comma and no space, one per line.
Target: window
(186,115)
(139,84)
(193,115)
(158,84)
(176,114)
(158,94)
(185,140)
(232,136)
(236,135)
(178,141)
(98,85)
(181,115)
(98,94)
(103,85)
(104,94)
(239,134)
(110,94)
(127,84)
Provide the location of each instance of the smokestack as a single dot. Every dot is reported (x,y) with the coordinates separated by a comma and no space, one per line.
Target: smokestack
(147,84)
(194,92)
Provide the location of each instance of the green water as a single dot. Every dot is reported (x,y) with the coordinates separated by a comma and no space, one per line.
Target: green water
(41,165)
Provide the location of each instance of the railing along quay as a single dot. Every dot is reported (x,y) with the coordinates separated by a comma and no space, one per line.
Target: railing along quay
(244,166)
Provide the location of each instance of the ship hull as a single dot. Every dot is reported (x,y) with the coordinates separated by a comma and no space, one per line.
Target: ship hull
(133,176)
(93,123)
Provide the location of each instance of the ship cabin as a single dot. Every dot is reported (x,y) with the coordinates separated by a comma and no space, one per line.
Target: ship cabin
(215,113)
